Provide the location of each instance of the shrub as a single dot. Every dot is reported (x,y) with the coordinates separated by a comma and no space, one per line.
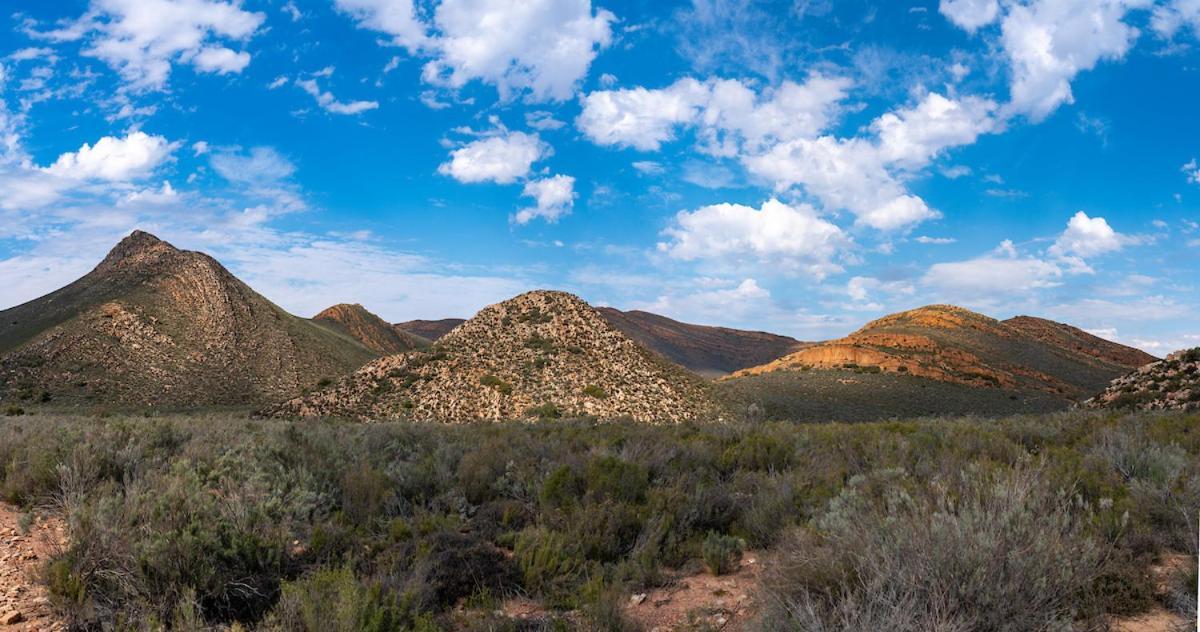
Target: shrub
(989,551)
(550,564)
(332,599)
(721,553)
(500,385)
(594,391)
(612,478)
(452,566)
(14,411)
(544,412)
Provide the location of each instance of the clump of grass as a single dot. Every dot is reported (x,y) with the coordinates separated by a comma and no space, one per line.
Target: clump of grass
(721,553)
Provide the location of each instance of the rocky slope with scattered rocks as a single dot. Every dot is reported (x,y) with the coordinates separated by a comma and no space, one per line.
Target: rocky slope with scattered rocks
(372,331)
(1171,384)
(1066,336)
(155,326)
(541,354)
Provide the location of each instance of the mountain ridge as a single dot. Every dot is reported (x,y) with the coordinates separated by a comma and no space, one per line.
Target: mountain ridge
(153,325)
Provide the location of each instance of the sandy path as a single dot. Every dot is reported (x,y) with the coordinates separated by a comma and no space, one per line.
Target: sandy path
(23,600)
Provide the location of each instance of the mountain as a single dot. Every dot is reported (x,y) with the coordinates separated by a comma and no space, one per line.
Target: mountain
(153,325)
(430,329)
(540,354)
(1171,384)
(709,351)
(372,331)
(948,344)
(1067,337)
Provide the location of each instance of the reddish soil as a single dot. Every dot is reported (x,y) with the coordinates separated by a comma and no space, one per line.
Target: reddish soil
(700,601)
(24,604)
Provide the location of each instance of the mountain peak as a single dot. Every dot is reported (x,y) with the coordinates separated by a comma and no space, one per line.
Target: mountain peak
(372,331)
(136,248)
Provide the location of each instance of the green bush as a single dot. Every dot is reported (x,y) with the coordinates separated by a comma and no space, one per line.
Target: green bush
(609,477)
(496,383)
(14,411)
(722,553)
(594,391)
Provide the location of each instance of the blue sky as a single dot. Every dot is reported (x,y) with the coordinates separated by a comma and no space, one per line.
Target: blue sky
(796,166)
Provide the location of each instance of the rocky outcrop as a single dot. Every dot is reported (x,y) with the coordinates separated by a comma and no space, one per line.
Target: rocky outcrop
(955,345)
(1171,384)
(153,325)
(369,329)
(708,351)
(541,354)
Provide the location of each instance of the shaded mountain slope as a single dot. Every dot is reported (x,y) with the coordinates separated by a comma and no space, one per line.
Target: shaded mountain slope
(153,325)
(540,354)
(950,344)
(372,331)
(709,351)
(1066,336)
(430,329)
(1171,384)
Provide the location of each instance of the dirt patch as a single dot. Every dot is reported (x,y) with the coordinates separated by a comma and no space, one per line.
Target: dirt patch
(25,546)
(700,601)
(1159,619)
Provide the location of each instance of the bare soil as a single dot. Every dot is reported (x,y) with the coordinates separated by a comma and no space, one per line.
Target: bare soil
(24,602)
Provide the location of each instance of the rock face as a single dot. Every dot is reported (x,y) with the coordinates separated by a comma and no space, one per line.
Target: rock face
(541,354)
(1171,384)
(951,344)
(709,351)
(1073,338)
(153,325)
(430,329)
(372,331)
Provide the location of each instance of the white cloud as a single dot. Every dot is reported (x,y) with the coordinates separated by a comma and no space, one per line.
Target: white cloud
(1172,16)
(199,148)
(542,120)
(912,137)
(397,18)
(330,103)
(1192,171)
(922,239)
(260,165)
(648,167)
(793,237)
(503,158)
(1087,237)
(726,113)
(1049,42)
(141,39)
(1001,273)
(279,82)
(970,14)
(641,118)
(553,196)
(114,159)
(542,47)
(539,48)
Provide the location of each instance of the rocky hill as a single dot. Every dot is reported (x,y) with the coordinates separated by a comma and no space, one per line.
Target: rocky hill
(950,344)
(430,329)
(709,351)
(1171,384)
(541,354)
(153,325)
(372,331)
(1066,336)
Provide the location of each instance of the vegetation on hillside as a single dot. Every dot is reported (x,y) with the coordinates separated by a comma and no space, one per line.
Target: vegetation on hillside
(1019,523)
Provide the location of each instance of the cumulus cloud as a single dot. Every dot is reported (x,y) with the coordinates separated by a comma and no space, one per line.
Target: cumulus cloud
(970,14)
(503,158)
(114,159)
(793,237)
(726,113)
(260,165)
(553,197)
(396,18)
(1087,237)
(541,49)
(780,136)
(142,39)
(330,103)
